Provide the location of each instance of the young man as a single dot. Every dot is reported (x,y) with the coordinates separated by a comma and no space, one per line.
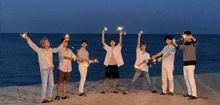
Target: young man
(167,65)
(65,67)
(142,58)
(189,58)
(45,57)
(83,65)
(113,60)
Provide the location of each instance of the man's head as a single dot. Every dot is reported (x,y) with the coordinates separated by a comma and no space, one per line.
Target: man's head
(187,35)
(44,42)
(112,42)
(64,43)
(84,43)
(168,39)
(143,46)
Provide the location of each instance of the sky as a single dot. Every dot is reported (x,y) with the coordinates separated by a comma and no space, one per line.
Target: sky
(91,16)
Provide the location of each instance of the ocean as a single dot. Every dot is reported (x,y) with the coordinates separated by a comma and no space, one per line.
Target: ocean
(19,63)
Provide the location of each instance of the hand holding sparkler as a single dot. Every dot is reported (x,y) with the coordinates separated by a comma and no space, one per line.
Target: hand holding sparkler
(67,37)
(24,35)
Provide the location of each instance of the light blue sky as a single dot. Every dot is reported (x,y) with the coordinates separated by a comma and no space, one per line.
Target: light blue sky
(90,16)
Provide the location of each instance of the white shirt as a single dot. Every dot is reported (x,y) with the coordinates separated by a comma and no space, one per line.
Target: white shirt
(168,62)
(140,57)
(82,53)
(45,57)
(117,54)
(65,65)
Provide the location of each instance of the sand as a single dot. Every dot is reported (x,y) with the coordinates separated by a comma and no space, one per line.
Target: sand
(208,88)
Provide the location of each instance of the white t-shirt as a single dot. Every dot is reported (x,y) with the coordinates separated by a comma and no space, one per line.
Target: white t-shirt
(140,57)
(168,62)
(117,54)
(65,65)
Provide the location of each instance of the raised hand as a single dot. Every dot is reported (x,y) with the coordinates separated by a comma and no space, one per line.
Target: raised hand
(121,33)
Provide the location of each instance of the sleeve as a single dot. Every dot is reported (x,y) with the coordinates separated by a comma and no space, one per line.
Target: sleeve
(173,51)
(119,47)
(55,50)
(181,47)
(163,50)
(73,55)
(138,49)
(33,46)
(195,43)
(106,47)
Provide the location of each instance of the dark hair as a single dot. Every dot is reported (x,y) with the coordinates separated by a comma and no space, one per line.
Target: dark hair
(188,33)
(63,40)
(84,41)
(143,44)
(168,37)
(112,40)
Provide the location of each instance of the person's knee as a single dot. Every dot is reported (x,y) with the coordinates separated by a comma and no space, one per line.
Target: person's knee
(106,79)
(59,83)
(65,82)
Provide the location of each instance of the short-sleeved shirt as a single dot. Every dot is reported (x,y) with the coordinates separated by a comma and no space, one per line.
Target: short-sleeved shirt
(168,62)
(117,54)
(140,57)
(65,65)
(83,53)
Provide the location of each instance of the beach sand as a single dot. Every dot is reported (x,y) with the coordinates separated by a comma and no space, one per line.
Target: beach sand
(208,88)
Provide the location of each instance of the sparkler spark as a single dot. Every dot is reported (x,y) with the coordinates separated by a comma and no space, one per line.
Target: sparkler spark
(141,32)
(124,33)
(184,36)
(119,28)
(24,35)
(67,36)
(105,28)
(72,47)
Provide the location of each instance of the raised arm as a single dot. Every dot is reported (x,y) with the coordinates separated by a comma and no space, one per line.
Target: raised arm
(32,45)
(55,50)
(139,40)
(120,40)
(194,40)
(103,38)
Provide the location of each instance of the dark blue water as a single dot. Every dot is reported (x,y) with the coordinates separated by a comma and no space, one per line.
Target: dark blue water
(19,63)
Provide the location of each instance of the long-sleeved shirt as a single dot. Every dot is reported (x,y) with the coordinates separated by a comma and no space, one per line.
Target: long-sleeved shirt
(45,57)
(65,65)
(189,52)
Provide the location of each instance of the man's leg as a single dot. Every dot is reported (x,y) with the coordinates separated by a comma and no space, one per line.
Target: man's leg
(83,73)
(51,84)
(147,78)
(58,87)
(136,75)
(64,88)
(192,80)
(164,81)
(44,79)
(104,84)
(186,77)
(115,83)
(170,79)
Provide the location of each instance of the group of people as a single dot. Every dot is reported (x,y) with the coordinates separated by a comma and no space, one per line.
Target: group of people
(113,61)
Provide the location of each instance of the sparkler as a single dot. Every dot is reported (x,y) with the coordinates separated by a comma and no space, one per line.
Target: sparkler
(124,33)
(105,28)
(119,28)
(154,61)
(67,36)
(88,63)
(141,32)
(23,35)
(72,47)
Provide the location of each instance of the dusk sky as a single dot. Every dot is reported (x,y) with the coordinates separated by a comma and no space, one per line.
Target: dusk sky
(90,16)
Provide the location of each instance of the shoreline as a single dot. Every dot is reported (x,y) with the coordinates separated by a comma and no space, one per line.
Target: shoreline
(208,89)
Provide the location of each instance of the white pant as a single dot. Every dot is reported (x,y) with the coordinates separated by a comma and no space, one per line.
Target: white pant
(83,73)
(167,73)
(190,80)
(47,75)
